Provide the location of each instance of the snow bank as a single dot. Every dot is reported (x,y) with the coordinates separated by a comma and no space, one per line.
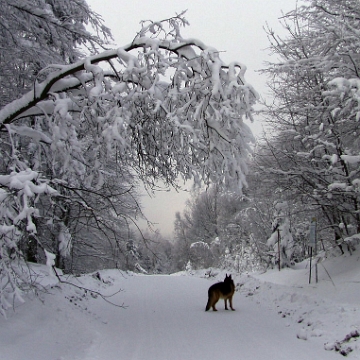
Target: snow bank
(328,311)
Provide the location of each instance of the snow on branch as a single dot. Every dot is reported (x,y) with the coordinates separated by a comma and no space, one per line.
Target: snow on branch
(200,244)
(172,105)
(22,187)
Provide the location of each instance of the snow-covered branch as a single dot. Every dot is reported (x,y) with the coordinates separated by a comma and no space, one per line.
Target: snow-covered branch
(182,84)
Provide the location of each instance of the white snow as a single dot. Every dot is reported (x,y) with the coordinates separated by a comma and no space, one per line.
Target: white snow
(278,316)
(199,244)
(351,159)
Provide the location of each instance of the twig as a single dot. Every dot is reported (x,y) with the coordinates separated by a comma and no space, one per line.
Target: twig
(328,274)
(104,297)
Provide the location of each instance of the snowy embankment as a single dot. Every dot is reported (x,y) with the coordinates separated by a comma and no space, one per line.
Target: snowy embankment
(278,316)
(327,312)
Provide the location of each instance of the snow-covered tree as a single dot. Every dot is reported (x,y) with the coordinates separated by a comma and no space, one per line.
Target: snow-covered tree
(218,218)
(182,241)
(281,240)
(314,114)
(36,33)
(197,228)
(43,33)
(203,210)
(200,255)
(101,229)
(165,107)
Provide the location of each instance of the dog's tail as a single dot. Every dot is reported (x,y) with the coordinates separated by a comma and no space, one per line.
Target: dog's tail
(208,305)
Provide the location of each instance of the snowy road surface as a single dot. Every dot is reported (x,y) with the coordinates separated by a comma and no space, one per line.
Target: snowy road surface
(165,320)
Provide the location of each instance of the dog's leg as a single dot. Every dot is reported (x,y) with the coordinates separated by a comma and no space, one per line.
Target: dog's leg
(230,301)
(215,300)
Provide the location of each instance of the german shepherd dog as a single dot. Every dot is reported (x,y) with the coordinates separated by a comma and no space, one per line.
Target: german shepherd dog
(222,290)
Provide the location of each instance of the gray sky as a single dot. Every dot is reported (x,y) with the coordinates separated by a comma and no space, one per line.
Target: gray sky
(232,26)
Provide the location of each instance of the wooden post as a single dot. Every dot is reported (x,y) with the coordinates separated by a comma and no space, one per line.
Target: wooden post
(313,246)
(279,250)
(311,253)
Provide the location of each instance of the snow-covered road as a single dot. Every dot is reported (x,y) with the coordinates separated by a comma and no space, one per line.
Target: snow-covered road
(165,319)
(278,316)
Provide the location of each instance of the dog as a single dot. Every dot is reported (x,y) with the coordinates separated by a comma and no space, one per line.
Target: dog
(221,290)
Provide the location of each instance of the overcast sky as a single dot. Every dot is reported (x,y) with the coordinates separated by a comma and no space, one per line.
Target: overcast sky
(234,27)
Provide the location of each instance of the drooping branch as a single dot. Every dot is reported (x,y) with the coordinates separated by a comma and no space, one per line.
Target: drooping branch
(174,108)
(57,81)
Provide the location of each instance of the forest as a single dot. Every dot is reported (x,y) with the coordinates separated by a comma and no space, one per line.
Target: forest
(82,125)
